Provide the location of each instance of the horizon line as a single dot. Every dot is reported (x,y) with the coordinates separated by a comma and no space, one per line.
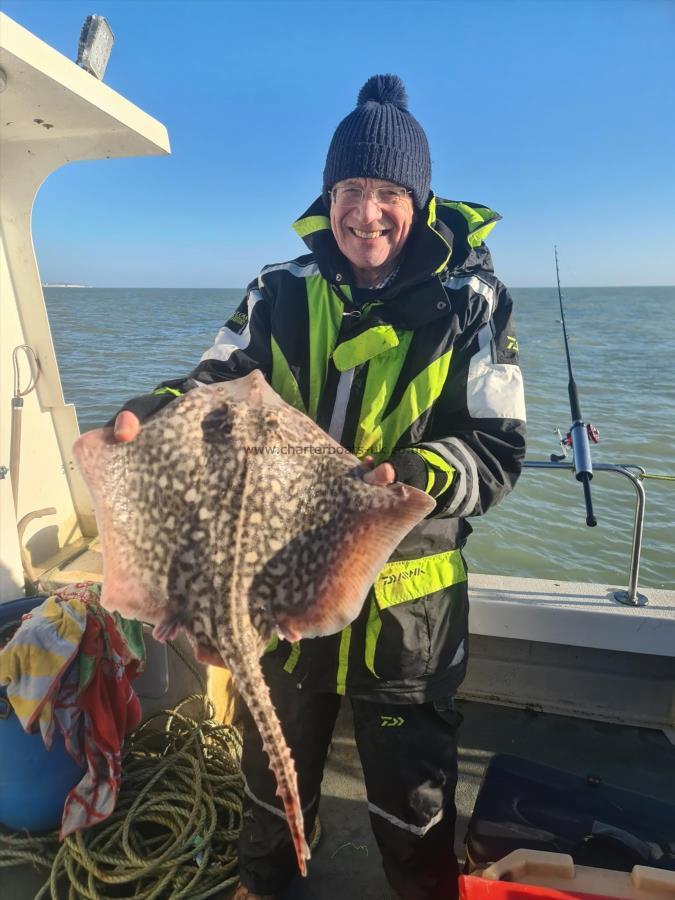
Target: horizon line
(133,287)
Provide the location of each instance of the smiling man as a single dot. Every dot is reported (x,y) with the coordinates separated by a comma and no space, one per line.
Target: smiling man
(370,220)
(394,334)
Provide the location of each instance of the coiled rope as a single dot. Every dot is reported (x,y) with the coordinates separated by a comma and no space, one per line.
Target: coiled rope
(174,830)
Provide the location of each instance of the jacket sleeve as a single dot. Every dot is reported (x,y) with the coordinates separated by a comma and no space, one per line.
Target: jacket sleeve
(242,345)
(478,445)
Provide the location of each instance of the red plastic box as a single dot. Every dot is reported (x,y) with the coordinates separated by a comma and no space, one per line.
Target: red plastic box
(472,887)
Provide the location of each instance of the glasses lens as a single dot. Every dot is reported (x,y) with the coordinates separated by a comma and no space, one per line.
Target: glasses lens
(387,196)
(353,196)
(348,196)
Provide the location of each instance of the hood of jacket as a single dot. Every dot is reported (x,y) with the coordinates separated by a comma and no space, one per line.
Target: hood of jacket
(447,238)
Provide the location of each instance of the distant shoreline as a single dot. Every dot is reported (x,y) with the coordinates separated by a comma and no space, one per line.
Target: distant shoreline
(57,284)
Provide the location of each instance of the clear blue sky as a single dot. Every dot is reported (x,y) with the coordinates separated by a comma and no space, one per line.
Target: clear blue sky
(560,115)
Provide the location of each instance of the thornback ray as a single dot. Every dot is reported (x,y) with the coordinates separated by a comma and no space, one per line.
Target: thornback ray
(233,516)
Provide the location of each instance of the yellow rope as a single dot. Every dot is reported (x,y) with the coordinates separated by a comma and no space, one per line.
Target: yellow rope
(658,477)
(175,826)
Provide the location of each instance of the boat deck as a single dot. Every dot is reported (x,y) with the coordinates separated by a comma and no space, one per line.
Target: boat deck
(347,861)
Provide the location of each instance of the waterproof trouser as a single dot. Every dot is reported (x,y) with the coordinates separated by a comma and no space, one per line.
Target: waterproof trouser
(409,758)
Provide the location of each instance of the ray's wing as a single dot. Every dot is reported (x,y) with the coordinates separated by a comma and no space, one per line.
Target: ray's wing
(114,483)
(318,581)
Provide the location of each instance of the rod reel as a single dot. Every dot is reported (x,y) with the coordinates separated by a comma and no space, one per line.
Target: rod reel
(566,443)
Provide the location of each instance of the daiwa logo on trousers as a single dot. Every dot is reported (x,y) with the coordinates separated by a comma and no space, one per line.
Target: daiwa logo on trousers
(391,721)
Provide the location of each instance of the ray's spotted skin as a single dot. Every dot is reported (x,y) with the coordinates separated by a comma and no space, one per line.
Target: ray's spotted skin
(213,522)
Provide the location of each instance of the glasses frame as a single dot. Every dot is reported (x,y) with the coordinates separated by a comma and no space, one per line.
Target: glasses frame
(401,195)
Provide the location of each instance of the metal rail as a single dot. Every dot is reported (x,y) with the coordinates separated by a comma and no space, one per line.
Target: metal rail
(631,597)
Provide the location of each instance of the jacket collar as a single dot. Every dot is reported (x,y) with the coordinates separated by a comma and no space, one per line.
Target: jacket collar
(444,239)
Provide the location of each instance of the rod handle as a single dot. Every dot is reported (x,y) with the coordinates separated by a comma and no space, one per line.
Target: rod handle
(591,521)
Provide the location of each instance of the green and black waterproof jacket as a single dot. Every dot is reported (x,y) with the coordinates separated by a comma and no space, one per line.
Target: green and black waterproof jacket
(424,373)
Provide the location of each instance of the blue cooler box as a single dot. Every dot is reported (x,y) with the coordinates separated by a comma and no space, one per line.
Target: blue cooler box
(34,782)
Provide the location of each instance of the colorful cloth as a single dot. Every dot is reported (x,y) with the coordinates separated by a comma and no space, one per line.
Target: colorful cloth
(71,664)
(34,662)
(110,710)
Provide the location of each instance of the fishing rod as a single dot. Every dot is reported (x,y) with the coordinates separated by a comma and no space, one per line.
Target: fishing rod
(579,434)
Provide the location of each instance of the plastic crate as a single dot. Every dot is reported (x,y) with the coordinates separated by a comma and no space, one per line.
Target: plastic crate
(472,887)
(525,874)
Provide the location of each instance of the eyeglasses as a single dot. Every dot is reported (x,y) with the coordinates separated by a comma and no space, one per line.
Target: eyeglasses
(352,195)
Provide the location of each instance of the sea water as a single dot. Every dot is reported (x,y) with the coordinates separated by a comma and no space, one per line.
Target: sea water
(113,344)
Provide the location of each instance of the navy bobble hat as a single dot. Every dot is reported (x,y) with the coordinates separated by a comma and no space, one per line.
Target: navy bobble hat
(380,139)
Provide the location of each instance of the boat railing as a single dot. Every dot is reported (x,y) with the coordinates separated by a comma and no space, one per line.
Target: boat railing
(634,474)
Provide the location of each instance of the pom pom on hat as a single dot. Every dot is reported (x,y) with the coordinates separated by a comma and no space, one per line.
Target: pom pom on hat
(380,139)
(383,89)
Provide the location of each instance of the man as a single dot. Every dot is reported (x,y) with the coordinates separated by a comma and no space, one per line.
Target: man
(395,336)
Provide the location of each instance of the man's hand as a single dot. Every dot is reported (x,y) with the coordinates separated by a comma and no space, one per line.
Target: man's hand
(383,474)
(127,426)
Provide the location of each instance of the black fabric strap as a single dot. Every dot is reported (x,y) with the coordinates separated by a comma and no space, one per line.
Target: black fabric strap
(410,468)
(144,406)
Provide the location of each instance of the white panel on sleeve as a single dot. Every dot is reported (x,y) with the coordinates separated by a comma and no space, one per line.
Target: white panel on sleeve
(228,341)
(476,284)
(494,390)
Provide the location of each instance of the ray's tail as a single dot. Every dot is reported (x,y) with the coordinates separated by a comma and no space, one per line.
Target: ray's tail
(252,687)
(241,646)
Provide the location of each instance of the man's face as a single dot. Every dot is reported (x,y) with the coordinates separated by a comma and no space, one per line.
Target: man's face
(371,235)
